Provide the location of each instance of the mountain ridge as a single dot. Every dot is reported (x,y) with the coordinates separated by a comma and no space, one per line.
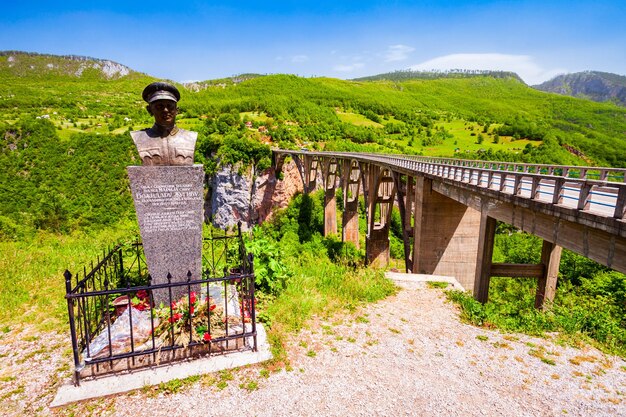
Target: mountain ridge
(592,85)
(403,75)
(24,64)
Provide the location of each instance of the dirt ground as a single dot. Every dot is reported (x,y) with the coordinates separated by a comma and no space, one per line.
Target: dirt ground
(406,355)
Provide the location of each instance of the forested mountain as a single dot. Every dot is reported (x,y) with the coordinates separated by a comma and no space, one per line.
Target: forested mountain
(403,75)
(592,85)
(64,138)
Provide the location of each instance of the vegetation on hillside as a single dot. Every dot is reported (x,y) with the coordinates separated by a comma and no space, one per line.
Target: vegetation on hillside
(403,75)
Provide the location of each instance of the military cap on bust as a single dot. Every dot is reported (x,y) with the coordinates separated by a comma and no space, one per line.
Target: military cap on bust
(160,91)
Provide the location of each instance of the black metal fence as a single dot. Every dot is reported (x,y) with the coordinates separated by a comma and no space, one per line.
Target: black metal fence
(116,326)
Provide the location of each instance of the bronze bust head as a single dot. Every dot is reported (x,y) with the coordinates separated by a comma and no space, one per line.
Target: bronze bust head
(164,143)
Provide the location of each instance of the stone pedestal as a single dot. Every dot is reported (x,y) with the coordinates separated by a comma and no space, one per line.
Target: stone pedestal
(169,205)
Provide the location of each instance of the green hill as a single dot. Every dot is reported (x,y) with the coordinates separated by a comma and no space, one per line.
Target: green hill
(65,141)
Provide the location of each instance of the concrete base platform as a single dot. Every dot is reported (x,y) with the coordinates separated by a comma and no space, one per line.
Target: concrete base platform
(401,277)
(116,384)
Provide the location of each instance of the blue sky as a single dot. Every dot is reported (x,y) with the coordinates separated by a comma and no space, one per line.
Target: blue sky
(195,40)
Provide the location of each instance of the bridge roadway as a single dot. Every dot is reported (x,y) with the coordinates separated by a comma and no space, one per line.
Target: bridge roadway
(578,208)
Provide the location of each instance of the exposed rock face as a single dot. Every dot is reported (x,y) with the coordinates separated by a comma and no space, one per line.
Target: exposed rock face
(27,63)
(234,197)
(593,85)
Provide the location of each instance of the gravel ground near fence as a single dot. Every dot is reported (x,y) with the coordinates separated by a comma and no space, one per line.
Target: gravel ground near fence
(406,355)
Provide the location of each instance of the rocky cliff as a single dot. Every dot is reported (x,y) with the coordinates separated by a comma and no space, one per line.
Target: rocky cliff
(235,196)
(29,64)
(592,85)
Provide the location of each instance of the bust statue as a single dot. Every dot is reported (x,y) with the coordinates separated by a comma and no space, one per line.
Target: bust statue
(164,143)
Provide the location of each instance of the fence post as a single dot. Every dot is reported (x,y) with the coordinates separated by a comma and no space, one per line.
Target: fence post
(252,300)
(70,311)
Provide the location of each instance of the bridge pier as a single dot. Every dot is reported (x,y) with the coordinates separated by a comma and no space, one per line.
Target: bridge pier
(484,256)
(329,169)
(546,284)
(445,235)
(381,197)
(406,194)
(350,183)
(309,173)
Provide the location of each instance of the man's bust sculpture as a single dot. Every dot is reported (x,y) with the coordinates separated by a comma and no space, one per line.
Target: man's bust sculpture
(164,143)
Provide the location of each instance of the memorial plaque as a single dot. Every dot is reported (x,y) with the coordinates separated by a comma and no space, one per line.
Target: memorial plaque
(169,205)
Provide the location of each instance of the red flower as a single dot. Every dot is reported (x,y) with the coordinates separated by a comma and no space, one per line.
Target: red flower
(175,317)
(213,307)
(142,295)
(192,298)
(206,337)
(191,310)
(173,305)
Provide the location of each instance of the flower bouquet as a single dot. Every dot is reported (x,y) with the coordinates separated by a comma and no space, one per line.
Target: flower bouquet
(191,319)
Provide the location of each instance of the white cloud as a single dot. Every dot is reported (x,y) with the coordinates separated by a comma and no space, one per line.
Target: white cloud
(298,59)
(348,68)
(398,53)
(524,65)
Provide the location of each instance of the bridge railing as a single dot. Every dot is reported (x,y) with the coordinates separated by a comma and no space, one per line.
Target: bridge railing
(597,190)
(602,197)
(566,171)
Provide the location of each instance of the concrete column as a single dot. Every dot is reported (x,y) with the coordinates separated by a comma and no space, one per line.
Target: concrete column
(546,285)
(382,192)
(445,235)
(405,195)
(484,256)
(330,169)
(420,184)
(309,176)
(330,212)
(408,206)
(351,183)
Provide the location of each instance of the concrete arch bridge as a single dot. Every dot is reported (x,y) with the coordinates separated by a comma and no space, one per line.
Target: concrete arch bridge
(449,208)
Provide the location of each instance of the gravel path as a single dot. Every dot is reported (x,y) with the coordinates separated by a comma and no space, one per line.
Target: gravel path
(405,355)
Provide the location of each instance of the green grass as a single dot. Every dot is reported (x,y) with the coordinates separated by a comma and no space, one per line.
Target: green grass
(31,275)
(357,119)
(579,316)
(464,139)
(321,290)
(255,116)
(193,124)
(437,284)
